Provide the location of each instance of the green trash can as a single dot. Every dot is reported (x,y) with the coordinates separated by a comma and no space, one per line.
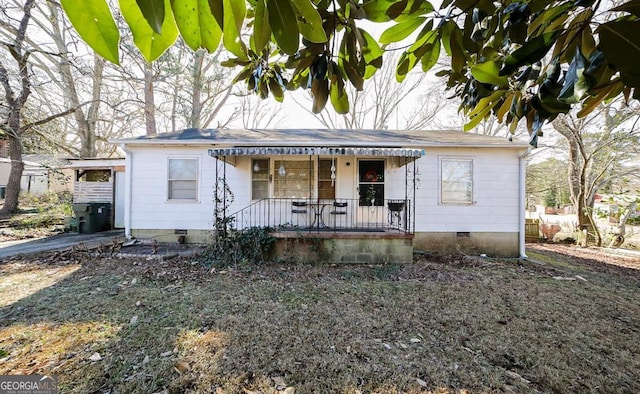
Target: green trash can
(92,217)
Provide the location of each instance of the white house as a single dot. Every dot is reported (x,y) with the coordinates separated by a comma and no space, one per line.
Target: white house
(375,194)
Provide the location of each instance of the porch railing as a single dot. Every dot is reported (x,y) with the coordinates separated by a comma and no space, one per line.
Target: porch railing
(339,215)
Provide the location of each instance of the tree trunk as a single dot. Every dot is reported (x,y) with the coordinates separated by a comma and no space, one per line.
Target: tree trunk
(196,92)
(14,104)
(12,191)
(86,124)
(149,102)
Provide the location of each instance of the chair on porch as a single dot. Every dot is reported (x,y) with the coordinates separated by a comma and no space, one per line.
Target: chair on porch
(299,214)
(339,210)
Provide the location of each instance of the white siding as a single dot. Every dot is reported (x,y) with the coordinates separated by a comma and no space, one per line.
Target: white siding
(150,207)
(495,193)
(496,187)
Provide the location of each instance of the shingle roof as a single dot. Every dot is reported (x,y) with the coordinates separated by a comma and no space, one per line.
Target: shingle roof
(333,137)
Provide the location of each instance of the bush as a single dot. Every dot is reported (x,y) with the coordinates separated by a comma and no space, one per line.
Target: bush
(254,245)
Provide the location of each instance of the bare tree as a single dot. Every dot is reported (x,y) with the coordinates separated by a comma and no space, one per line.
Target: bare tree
(601,149)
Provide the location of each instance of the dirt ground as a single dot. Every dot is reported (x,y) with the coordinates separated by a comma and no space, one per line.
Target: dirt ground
(566,320)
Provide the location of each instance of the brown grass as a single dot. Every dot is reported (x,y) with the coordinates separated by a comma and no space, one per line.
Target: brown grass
(459,325)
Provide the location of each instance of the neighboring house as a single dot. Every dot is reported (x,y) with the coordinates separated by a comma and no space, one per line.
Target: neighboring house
(42,173)
(376,195)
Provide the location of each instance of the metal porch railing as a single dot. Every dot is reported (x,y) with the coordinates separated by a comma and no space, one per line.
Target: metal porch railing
(339,215)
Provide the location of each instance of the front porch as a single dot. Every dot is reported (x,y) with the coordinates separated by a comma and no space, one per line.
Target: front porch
(327,216)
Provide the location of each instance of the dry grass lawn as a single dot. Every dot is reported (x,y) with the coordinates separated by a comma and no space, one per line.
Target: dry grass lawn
(553,324)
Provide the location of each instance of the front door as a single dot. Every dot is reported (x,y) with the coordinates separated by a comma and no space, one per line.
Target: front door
(371,192)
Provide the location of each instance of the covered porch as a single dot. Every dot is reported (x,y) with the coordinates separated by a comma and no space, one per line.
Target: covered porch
(321,190)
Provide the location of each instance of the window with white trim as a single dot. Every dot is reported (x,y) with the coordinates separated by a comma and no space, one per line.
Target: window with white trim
(456,181)
(293,179)
(259,179)
(183,179)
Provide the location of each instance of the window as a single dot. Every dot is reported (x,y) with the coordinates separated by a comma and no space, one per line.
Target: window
(183,179)
(371,182)
(94,176)
(292,178)
(259,179)
(456,176)
(326,183)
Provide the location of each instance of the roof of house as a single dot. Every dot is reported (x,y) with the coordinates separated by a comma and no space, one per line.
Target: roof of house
(324,137)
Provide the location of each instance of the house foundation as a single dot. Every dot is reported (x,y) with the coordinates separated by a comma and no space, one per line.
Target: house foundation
(345,248)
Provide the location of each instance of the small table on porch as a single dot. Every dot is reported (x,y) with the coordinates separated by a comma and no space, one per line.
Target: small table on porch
(318,210)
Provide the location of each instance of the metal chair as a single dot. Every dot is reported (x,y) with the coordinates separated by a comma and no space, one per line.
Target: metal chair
(339,209)
(299,208)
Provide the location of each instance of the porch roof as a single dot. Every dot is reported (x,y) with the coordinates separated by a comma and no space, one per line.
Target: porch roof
(314,151)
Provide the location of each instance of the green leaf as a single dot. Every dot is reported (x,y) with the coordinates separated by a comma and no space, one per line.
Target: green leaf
(487,72)
(376,10)
(487,102)
(430,58)
(261,28)
(532,51)
(94,23)
(153,12)
(234,14)
(284,25)
(458,51)
(320,93)
(196,23)
(151,44)
(310,21)
(371,52)
(415,8)
(401,31)
(338,95)
(620,44)
(575,84)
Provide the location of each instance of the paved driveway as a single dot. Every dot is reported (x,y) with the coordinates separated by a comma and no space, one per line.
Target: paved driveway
(57,242)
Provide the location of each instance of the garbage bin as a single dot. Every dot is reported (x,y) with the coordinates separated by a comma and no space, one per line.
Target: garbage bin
(92,217)
(3,191)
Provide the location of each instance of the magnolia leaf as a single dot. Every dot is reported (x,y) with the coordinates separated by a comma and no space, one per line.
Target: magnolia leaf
(217,10)
(310,21)
(320,92)
(592,102)
(620,44)
(487,102)
(506,106)
(150,43)
(376,10)
(261,28)
(431,56)
(196,23)
(415,8)
(276,90)
(575,85)
(406,63)
(371,52)
(487,72)
(475,120)
(153,12)
(234,14)
(94,23)
(458,51)
(532,51)
(284,25)
(338,95)
(401,31)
